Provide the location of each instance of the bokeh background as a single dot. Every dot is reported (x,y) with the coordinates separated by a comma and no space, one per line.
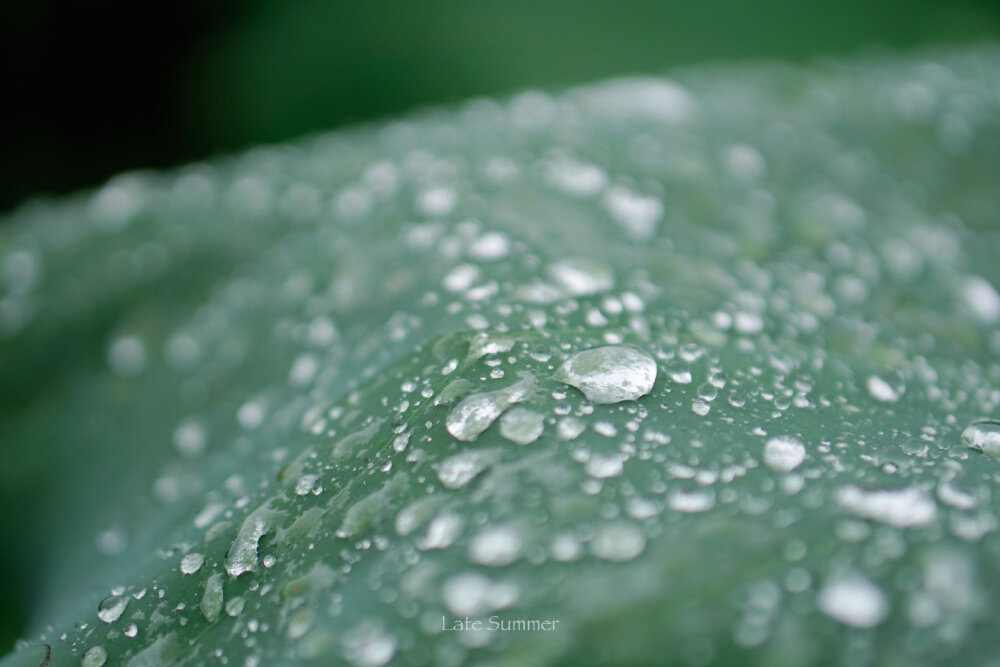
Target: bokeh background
(96,87)
(92,88)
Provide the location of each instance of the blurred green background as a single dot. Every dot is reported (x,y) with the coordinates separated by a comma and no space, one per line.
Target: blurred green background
(93,88)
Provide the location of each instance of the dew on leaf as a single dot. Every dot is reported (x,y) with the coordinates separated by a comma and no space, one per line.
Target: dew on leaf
(475,413)
(610,374)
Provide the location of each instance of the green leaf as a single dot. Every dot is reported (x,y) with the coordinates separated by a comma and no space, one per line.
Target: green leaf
(649,371)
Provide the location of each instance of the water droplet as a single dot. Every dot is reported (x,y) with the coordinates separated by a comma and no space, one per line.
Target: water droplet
(610,374)
(477,412)
(496,546)
(127,356)
(882,390)
(896,507)
(111,608)
(522,425)
(442,531)
(982,299)
(192,562)
(190,438)
(691,501)
(211,599)
(130,630)
(242,554)
(234,607)
(784,454)
(95,656)
(581,277)
(472,594)
(603,466)
(638,214)
(569,428)
(983,436)
(618,542)
(458,470)
(854,600)
(678,371)
(368,646)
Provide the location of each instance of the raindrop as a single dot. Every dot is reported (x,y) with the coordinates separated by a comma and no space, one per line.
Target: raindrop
(610,374)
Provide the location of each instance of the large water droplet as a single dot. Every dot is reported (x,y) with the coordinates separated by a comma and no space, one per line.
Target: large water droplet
(854,600)
(610,374)
(983,436)
(242,554)
(784,454)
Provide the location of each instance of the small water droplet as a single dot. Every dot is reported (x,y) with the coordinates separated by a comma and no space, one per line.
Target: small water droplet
(618,542)
(368,645)
(130,630)
(854,600)
(192,562)
(212,598)
(111,608)
(784,454)
(458,470)
(95,656)
(522,425)
(887,391)
(603,466)
(610,374)
(497,546)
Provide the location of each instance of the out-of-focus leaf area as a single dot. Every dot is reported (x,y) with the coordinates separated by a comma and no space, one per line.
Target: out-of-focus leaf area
(697,370)
(94,88)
